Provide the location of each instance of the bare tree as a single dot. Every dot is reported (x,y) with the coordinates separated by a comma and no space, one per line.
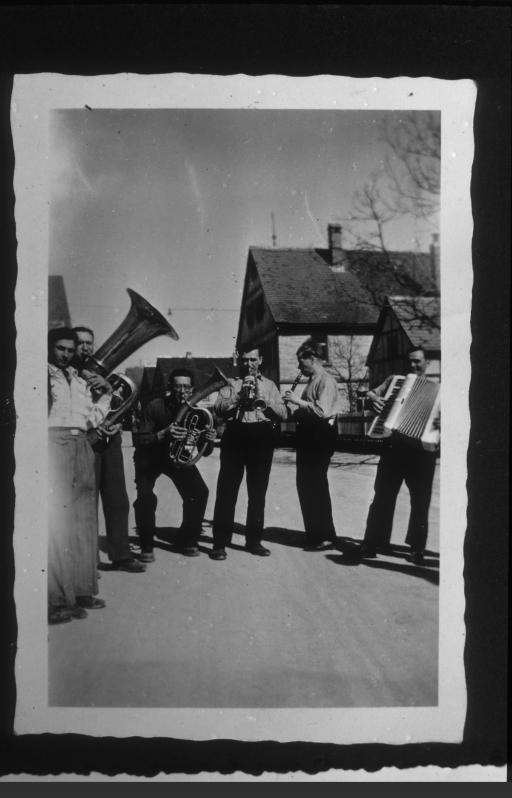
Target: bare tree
(348,364)
(407,184)
(408,180)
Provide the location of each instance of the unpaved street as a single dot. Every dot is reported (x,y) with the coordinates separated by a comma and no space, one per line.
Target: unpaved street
(296,629)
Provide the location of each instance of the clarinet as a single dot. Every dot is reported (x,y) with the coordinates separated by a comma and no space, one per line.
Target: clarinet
(296,381)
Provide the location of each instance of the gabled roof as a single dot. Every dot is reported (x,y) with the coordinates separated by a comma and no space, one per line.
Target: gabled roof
(420,318)
(300,286)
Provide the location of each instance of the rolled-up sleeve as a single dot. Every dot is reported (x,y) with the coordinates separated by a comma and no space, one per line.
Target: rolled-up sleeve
(275,402)
(226,402)
(98,411)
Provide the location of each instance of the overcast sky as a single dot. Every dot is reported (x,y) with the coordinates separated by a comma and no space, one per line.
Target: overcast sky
(168,202)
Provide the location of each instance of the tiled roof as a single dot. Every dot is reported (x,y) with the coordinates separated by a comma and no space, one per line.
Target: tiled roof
(300,286)
(420,318)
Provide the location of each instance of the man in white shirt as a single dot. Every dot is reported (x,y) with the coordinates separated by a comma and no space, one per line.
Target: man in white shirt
(250,405)
(109,466)
(72,522)
(315,413)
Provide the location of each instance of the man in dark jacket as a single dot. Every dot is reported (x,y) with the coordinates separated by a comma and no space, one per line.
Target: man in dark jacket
(152,443)
(400,463)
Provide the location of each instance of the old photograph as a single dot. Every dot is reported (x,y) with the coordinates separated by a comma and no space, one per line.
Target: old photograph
(239,298)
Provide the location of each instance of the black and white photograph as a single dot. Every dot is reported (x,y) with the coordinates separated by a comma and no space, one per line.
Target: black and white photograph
(240,298)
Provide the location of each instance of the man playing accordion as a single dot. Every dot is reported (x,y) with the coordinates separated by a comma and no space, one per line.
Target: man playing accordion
(400,462)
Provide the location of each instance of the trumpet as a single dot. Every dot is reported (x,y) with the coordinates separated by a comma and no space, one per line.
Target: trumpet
(250,395)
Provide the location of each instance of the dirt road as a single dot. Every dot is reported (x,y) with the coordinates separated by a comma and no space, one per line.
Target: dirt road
(295,629)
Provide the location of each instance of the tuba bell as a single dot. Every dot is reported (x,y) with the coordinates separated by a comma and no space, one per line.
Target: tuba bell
(141,324)
(197,420)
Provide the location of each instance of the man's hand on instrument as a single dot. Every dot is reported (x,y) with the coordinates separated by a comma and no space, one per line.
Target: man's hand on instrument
(291,398)
(108,430)
(96,383)
(211,435)
(177,432)
(377,402)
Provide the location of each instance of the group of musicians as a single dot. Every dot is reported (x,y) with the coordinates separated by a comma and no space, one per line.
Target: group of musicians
(251,407)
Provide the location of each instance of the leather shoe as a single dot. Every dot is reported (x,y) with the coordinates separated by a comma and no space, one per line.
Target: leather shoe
(190,551)
(319,546)
(218,554)
(132,566)
(90,602)
(368,552)
(258,549)
(78,612)
(146,556)
(59,615)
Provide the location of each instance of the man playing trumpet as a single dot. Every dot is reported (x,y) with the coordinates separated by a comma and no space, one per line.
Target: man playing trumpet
(152,443)
(250,405)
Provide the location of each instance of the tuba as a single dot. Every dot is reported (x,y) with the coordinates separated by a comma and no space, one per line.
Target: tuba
(197,420)
(141,324)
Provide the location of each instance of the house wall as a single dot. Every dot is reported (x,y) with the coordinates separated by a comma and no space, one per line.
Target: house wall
(256,323)
(390,353)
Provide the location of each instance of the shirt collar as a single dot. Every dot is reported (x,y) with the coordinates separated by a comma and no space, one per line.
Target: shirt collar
(69,370)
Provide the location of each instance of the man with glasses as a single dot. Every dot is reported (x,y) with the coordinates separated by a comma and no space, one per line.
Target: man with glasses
(152,442)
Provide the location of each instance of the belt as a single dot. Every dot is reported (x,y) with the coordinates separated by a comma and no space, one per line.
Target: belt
(69,430)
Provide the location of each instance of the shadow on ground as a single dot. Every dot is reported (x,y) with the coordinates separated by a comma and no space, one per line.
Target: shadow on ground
(429,570)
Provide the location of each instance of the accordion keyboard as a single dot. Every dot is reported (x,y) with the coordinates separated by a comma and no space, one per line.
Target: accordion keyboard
(377,428)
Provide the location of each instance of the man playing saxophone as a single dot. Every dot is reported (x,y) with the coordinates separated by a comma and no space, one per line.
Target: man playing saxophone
(152,441)
(250,406)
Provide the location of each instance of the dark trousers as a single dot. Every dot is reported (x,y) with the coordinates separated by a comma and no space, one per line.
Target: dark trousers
(189,484)
(315,446)
(397,464)
(249,448)
(111,486)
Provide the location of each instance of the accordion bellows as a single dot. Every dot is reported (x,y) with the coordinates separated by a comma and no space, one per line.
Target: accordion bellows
(412,404)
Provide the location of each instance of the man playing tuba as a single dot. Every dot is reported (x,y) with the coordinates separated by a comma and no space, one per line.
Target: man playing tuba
(109,469)
(153,440)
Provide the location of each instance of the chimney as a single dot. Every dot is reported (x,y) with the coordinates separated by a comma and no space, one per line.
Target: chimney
(338,259)
(434,260)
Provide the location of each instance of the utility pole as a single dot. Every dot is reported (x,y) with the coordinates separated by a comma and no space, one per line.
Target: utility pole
(274,237)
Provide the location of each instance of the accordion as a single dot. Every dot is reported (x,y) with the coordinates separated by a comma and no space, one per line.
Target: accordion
(411,406)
